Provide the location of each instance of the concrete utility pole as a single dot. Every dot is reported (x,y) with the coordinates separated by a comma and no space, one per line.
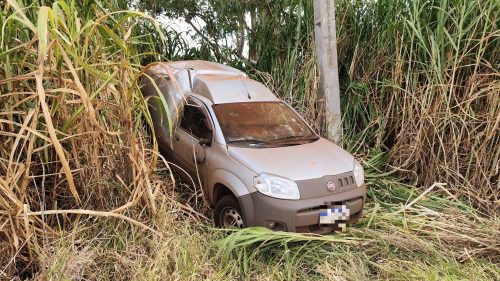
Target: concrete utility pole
(326,52)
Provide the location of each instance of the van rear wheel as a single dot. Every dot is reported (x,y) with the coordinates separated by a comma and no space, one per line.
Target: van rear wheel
(227,213)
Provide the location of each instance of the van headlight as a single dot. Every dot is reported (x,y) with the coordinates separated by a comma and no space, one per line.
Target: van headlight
(359,174)
(276,187)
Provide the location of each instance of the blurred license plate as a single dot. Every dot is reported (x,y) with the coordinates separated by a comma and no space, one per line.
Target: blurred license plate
(334,214)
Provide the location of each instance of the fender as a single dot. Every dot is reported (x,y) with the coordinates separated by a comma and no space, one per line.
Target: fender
(237,187)
(228,179)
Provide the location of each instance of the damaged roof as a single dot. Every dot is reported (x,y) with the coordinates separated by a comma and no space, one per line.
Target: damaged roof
(217,82)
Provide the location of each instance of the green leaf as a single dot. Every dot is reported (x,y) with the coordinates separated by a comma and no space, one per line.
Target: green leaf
(43,15)
(23,19)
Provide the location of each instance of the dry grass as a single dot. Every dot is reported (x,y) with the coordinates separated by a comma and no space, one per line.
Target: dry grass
(84,195)
(419,81)
(68,122)
(419,243)
(429,91)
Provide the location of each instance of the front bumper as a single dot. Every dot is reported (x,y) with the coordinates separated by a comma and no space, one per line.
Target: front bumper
(301,215)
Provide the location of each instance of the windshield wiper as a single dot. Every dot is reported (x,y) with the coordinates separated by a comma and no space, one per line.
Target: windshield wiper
(295,138)
(247,140)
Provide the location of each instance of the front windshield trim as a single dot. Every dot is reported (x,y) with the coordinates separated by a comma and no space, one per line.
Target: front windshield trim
(310,134)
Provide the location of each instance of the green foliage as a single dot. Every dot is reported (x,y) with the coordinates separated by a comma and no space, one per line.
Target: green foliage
(418,82)
(419,85)
(418,78)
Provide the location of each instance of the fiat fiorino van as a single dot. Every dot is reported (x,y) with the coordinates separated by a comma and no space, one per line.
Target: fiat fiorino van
(257,161)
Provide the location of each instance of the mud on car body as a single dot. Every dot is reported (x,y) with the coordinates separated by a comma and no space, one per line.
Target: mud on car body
(258,162)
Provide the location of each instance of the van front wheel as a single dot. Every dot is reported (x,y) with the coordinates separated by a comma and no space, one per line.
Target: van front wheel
(228,213)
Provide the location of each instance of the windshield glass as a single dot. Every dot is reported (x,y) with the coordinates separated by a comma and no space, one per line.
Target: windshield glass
(261,122)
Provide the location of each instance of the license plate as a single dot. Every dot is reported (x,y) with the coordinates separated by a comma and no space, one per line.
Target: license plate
(334,214)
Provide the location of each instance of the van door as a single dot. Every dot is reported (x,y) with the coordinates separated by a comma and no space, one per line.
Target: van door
(192,139)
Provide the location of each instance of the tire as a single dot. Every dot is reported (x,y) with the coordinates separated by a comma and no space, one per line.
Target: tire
(227,213)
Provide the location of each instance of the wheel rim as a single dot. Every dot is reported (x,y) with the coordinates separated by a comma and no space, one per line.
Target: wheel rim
(231,218)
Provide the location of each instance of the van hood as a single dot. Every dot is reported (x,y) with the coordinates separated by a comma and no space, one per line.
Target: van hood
(298,162)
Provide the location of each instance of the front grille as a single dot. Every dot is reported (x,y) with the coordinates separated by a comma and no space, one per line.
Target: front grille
(345,181)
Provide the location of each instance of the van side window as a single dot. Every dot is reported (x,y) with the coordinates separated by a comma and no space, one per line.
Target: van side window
(194,121)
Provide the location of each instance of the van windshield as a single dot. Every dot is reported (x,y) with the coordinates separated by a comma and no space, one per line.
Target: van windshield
(262,123)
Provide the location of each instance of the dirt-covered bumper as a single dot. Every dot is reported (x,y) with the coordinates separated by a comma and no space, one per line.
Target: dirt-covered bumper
(300,215)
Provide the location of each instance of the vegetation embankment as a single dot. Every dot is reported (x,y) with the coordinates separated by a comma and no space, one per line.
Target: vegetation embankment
(84,193)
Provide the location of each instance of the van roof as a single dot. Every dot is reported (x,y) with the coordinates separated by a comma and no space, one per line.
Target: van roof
(205,67)
(230,89)
(217,82)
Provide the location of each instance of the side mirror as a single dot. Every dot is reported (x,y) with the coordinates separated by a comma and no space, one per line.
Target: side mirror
(206,142)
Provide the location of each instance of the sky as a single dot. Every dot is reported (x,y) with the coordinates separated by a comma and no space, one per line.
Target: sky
(187,32)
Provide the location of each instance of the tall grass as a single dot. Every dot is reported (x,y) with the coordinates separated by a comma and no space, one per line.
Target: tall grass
(419,82)
(69,122)
(84,194)
(285,56)
(431,240)
(421,79)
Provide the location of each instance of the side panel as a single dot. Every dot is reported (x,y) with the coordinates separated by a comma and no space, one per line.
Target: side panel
(185,149)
